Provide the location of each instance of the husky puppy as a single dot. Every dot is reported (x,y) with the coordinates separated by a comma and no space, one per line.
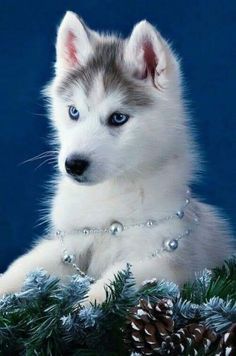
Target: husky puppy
(126,160)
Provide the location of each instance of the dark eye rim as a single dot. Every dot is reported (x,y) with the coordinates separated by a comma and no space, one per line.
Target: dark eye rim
(111,121)
(73,116)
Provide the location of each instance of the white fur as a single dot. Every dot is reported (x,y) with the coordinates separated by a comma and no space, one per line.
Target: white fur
(133,55)
(142,173)
(71,26)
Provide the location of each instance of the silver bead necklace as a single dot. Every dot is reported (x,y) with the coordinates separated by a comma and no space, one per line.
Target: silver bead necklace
(116,229)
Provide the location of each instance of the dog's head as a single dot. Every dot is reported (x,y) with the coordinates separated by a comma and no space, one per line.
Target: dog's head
(115,103)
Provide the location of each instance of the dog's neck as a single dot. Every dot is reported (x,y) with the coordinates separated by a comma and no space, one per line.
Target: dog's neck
(132,199)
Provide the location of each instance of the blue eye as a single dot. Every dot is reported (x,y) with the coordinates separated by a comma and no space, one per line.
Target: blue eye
(73,113)
(118,119)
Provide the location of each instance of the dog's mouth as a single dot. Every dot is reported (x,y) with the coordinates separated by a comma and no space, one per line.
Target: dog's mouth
(80,179)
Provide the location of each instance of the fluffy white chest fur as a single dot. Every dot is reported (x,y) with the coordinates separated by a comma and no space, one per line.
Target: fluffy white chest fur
(126,154)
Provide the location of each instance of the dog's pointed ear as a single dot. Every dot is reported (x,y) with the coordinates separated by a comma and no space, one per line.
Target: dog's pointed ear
(73,45)
(146,54)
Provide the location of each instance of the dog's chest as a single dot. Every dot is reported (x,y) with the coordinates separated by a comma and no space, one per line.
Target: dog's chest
(97,206)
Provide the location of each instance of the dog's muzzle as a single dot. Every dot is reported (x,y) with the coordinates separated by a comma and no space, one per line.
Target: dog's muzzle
(76,165)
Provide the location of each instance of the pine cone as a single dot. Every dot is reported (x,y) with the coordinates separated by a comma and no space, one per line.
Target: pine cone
(227,345)
(148,324)
(194,339)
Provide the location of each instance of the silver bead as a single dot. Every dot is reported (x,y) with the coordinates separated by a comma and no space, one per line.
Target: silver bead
(188,192)
(187,201)
(60,234)
(86,231)
(187,232)
(116,228)
(82,274)
(150,223)
(171,245)
(157,252)
(180,214)
(68,259)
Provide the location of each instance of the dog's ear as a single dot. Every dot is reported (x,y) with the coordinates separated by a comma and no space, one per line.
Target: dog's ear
(73,45)
(146,54)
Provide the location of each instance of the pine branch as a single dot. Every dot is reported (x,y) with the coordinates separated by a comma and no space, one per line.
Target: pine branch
(220,282)
(219,314)
(121,293)
(48,318)
(154,290)
(185,311)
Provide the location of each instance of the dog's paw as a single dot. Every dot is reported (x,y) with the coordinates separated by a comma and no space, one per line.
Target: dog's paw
(96,294)
(3,290)
(6,287)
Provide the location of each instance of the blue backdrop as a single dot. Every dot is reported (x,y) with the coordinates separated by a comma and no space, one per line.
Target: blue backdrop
(202,32)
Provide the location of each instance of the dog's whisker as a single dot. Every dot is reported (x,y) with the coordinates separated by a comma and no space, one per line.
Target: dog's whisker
(38,114)
(42,221)
(48,161)
(40,156)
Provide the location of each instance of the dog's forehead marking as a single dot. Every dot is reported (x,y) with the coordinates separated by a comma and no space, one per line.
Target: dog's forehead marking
(97,91)
(107,64)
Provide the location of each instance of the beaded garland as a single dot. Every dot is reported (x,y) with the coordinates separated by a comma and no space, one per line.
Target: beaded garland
(116,228)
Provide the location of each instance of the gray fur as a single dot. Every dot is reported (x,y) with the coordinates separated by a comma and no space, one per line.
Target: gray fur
(107,59)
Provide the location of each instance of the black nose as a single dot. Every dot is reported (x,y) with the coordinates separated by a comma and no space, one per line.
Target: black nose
(76,166)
